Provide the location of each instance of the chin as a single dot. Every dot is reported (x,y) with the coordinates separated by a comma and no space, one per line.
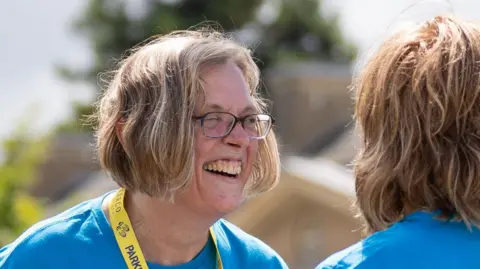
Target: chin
(220,193)
(225,194)
(226,207)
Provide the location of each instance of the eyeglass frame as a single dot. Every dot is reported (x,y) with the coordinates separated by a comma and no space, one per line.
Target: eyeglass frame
(236,120)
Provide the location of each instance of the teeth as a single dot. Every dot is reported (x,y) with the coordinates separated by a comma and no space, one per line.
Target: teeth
(229,167)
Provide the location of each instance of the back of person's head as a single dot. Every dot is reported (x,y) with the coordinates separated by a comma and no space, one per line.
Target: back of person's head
(153,95)
(418,110)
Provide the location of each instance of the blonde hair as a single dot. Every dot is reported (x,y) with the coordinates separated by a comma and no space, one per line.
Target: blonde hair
(418,109)
(153,94)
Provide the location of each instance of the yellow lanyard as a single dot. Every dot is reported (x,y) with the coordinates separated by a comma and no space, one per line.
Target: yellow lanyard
(126,239)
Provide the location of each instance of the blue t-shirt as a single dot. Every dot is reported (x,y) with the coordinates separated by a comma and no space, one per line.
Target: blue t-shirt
(418,241)
(81,237)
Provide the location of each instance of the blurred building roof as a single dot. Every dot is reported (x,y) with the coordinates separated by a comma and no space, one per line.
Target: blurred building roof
(311,69)
(68,163)
(312,105)
(343,147)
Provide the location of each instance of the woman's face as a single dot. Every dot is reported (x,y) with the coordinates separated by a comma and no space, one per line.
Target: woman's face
(222,165)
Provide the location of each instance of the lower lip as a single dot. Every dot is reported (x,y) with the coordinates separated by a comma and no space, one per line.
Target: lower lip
(225,178)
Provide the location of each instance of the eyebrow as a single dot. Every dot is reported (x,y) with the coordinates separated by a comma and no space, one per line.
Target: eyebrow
(248,109)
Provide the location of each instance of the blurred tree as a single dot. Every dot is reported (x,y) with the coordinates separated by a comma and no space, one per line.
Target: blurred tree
(79,122)
(277,29)
(18,210)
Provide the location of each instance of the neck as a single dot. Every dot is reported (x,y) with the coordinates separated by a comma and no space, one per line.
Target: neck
(409,209)
(168,233)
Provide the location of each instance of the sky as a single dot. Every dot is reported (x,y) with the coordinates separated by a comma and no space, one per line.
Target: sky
(36,35)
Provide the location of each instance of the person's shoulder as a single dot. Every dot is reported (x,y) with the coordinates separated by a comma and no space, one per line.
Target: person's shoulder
(419,237)
(376,251)
(348,258)
(46,241)
(249,249)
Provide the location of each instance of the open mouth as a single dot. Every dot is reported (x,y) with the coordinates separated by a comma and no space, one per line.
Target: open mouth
(224,168)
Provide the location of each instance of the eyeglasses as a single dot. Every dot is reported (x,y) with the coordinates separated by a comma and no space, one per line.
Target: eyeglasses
(221,124)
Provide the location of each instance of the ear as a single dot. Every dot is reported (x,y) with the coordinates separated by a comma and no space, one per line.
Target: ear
(119,130)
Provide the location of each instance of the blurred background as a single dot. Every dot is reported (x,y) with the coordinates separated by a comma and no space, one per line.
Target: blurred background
(308,50)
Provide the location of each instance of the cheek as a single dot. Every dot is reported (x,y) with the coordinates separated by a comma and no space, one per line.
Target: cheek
(200,144)
(253,151)
(203,147)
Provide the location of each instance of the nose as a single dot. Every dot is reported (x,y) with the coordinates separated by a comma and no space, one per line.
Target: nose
(238,137)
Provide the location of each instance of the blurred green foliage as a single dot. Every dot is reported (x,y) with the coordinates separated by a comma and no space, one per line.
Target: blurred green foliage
(19,210)
(79,123)
(277,30)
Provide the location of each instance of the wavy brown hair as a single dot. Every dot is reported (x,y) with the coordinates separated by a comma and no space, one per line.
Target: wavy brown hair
(418,110)
(153,93)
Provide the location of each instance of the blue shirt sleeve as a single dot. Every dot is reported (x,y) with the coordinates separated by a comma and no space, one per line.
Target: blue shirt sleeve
(277,263)
(6,257)
(267,260)
(19,255)
(38,247)
(366,256)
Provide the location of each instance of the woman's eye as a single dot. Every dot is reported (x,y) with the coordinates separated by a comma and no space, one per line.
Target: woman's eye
(213,119)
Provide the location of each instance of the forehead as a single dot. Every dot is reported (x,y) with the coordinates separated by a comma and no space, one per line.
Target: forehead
(225,89)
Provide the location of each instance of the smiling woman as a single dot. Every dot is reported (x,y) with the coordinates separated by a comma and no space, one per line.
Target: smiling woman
(184,133)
